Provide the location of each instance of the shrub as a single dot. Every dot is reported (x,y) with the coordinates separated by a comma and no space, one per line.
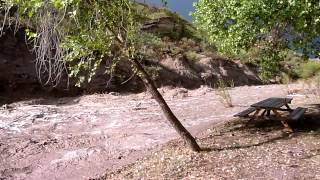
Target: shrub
(309,69)
(191,55)
(291,63)
(223,92)
(148,39)
(267,59)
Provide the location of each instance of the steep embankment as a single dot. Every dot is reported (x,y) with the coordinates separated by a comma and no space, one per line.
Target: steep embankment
(176,56)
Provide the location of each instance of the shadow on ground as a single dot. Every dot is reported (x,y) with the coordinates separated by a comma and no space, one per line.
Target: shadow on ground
(237,134)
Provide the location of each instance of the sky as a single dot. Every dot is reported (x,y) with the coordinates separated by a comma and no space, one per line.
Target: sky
(182,7)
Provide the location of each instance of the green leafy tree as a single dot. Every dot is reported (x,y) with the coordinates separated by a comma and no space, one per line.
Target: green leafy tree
(235,26)
(74,36)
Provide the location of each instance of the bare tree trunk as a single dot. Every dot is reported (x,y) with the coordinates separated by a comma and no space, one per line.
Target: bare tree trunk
(181,130)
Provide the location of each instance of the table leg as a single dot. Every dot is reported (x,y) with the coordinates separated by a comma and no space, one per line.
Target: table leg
(288,107)
(268,113)
(254,116)
(284,123)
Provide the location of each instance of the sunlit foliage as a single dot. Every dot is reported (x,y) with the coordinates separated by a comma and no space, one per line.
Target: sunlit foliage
(236,26)
(73,35)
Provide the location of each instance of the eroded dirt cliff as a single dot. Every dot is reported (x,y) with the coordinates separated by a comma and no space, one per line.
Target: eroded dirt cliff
(18,78)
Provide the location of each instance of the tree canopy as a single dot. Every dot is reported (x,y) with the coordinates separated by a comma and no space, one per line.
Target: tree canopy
(237,25)
(73,35)
(262,28)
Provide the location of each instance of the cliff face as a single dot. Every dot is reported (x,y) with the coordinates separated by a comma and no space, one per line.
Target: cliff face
(169,65)
(18,78)
(17,71)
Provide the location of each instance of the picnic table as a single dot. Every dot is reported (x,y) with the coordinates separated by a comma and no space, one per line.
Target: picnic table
(274,105)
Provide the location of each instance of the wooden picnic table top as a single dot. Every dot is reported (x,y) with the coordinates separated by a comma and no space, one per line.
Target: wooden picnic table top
(272,103)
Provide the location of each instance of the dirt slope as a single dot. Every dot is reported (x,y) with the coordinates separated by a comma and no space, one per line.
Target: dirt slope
(18,78)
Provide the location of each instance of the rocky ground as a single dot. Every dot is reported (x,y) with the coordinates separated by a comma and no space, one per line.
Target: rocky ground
(81,137)
(235,151)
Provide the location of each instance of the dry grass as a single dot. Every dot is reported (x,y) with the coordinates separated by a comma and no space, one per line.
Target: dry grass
(311,87)
(223,92)
(235,151)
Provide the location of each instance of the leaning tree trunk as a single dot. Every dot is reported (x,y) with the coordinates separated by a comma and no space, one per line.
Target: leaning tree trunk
(181,130)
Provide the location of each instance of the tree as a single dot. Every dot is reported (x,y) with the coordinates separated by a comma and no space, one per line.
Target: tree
(235,26)
(76,35)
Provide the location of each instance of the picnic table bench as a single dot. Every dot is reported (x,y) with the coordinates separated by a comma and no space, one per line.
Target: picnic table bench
(274,105)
